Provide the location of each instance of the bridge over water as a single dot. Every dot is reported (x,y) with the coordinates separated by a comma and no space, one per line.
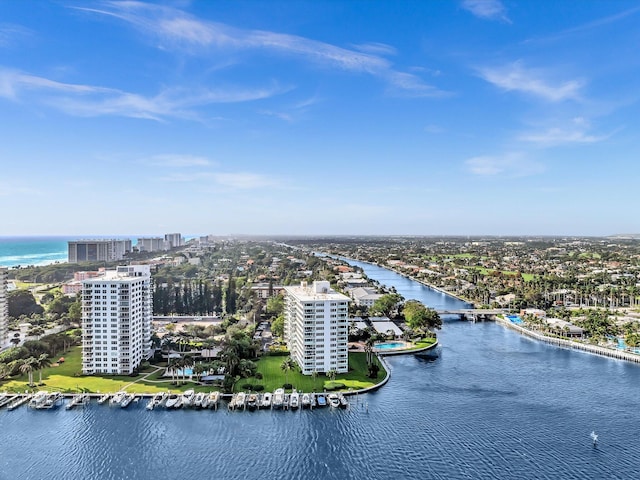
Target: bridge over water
(474,313)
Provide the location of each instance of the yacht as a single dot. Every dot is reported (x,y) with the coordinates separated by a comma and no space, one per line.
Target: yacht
(117,398)
(79,399)
(306,400)
(343,401)
(278,398)
(240,399)
(103,398)
(38,399)
(198,399)
(321,400)
(5,399)
(294,399)
(266,400)
(213,399)
(127,399)
(334,400)
(174,401)
(187,398)
(52,400)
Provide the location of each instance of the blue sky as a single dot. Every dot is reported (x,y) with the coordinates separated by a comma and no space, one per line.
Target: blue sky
(442,117)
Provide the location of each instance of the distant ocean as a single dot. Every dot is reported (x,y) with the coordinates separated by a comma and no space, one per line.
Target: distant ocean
(25,251)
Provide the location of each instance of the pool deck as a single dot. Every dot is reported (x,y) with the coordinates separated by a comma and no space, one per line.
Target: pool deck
(404,351)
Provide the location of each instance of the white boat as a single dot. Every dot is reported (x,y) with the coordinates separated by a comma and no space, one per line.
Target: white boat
(205,401)
(117,398)
(188,397)
(266,400)
(306,400)
(38,399)
(343,401)
(213,399)
(174,401)
(127,399)
(240,399)
(5,399)
(52,400)
(79,399)
(321,400)
(334,400)
(294,399)
(103,398)
(198,399)
(278,398)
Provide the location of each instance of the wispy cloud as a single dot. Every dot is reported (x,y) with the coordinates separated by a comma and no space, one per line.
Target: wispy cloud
(12,34)
(486,9)
(376,48)
(577,131)
(515,77)
(176,29)
(227,180)
(513,164)
(177,161)
(91,101)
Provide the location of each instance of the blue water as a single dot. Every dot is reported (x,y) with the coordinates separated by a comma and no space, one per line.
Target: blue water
(515,319)
(32,250)
(493,405)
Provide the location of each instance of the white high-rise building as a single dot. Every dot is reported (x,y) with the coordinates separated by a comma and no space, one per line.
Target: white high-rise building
(116,320)
(174,239)
(4,308)
(316,327)
(98,250)
(153,244)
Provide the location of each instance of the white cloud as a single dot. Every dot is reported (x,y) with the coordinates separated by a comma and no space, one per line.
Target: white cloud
(176,29)
(486,9)
(510,165)
(559,136)
(514,77)
(91,101)
(177,161)
(244,180)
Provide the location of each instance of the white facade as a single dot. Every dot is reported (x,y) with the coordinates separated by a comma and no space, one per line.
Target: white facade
(4,309)
(116,320)
(316,327)
(153,244)
(98,250)
(174,239)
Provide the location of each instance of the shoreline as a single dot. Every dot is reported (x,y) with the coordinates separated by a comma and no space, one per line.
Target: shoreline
(563,343)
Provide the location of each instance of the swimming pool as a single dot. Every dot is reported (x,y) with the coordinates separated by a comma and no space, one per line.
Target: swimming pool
(514,319)
(390,345)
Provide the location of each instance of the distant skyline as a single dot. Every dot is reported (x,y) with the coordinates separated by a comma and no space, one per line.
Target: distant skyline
(470,117)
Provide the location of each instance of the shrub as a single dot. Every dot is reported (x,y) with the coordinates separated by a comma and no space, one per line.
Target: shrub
(258,388)
(287,386)
(258,375)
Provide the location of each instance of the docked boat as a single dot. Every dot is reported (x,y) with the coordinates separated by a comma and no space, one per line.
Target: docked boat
(252,401)
(52,400)
(240,400)
(174,401)
(306,400)
(127,399)
(344,403)
(213,399)
(103,398)
(79,399)
(198,399)
(188,397)
(266,400)
(294,400)
(117,398)
(321,400)
(278,398)
(334,400)
(18,400)
(38,399)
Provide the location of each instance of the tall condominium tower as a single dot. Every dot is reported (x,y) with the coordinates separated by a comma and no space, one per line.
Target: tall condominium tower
(4,309)
(174,239)
(116,320)
(98,250)
(316,327)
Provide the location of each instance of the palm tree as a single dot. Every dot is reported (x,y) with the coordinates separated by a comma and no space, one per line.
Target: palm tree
(332,375)
(199,369)
(187,362)
(43,361)
(27,366)
(173,366)
(286,366)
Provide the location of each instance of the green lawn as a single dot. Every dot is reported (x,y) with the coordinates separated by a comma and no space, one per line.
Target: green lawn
(67,377)
(274,377)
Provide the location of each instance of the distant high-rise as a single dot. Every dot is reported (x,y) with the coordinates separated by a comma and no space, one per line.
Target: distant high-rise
(153,244)
(98,250)
(4,309)
(174,239)
(116,320)
(316,327)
